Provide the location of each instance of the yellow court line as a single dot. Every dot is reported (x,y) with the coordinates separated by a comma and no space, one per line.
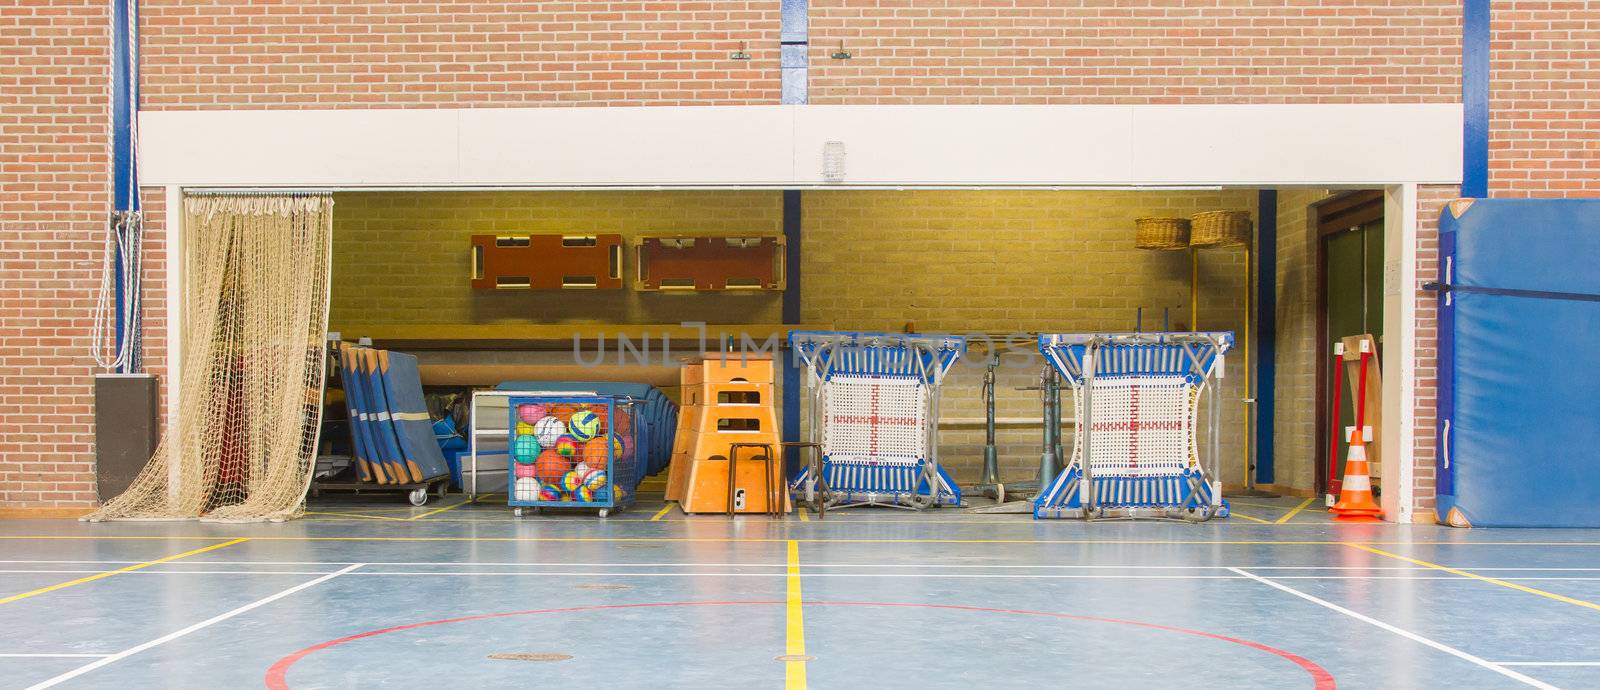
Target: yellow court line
(661,513)
(1296,510)
(109,573)
(1237,514)
(436,511)
(357,515)
(805,515)
(1475,576)
(759,540)
(794,667)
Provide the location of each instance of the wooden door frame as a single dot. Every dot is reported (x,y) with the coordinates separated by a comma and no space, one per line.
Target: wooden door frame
(1330,216)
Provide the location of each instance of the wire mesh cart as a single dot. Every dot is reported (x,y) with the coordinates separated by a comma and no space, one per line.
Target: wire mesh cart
(572,450)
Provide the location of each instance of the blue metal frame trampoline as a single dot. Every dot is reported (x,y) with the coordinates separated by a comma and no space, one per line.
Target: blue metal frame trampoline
(1135,452)
(874,409)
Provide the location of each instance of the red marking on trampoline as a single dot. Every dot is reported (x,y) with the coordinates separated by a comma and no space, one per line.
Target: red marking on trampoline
(277,675)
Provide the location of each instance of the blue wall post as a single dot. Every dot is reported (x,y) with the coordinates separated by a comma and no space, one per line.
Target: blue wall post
(1475,99)
(124,179)
(794,38)
(1266,330)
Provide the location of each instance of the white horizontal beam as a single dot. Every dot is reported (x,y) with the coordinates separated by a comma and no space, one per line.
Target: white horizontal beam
(782,146)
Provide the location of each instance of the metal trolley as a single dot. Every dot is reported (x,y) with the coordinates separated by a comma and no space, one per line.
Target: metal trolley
(572,450)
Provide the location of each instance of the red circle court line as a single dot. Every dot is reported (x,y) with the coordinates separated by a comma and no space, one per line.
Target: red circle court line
(276,678)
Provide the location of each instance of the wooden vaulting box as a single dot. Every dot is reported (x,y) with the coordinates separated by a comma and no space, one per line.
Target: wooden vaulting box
(547,262)
(709,263)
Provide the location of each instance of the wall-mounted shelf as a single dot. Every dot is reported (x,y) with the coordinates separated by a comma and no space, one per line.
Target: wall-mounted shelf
(547,262)
(709,263)
(558,337)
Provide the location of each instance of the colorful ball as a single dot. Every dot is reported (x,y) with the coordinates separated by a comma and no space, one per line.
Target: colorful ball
(567,446)
(525,470)
(594,450)
(550,466)
(548,430)
(524,429)
(584,494)
(550,492)
(531,412)
(525,448)
(595,480)
(571,481)
(584,425)
(526,489)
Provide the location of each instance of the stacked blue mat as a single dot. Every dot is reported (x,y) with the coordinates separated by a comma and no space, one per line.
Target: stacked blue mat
(656,416)
(391,433)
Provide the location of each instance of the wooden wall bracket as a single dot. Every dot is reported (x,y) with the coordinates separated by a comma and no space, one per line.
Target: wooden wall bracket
(547,262)
(709,263)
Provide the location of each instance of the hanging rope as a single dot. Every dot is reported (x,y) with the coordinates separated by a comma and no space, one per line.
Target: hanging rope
(114,350)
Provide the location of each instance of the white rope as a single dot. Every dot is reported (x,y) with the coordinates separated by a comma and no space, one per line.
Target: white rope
(125,234)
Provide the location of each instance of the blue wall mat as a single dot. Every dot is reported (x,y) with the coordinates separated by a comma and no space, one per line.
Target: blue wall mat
(408,412)
(1519,445)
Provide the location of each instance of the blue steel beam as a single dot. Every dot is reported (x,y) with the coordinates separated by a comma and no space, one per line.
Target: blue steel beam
(124,173)
(1475,99)
(794,37)
(1266,373)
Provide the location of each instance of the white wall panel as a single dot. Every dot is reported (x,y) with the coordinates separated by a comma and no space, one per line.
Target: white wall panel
(778,146)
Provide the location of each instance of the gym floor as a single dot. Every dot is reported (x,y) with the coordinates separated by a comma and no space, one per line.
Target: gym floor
(363,593)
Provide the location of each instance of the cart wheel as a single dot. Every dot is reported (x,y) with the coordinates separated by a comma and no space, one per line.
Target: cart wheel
(604,512)
(516,512)
(418,497)
(444,490)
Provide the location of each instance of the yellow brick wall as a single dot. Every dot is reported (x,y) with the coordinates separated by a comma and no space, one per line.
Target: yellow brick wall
(1295,442)
(952,261)
(404,258)
(1011,262)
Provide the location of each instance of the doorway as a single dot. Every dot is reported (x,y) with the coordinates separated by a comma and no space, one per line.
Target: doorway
(1350,243)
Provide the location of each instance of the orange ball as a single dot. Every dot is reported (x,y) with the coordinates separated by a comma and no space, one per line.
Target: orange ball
(550,466)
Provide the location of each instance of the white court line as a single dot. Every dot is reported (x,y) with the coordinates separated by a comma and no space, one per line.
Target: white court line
(53,656)
(74,673)
(902,575)
(1548,663)
(1497,668)
(927,566)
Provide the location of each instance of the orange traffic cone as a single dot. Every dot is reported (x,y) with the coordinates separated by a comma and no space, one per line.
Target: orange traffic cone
(1355,492)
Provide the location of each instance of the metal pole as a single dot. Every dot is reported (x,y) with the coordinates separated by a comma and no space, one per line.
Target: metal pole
(1055,420)
(991,456)
(1085,485)
(1047,454)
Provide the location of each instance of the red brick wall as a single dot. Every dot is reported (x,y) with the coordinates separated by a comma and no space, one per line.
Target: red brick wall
(1544,98)
(383,53)
(1430,203)
(53,68)
(1138,51)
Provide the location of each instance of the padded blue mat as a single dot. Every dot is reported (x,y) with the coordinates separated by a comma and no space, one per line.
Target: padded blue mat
(1519,441)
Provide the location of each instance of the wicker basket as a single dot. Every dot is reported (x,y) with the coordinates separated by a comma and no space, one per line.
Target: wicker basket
(1220,229)
(1164,234)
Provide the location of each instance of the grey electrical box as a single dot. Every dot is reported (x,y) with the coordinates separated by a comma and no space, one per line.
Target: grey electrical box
(126,429)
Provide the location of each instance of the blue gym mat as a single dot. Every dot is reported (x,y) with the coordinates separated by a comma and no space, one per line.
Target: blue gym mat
(1519,338)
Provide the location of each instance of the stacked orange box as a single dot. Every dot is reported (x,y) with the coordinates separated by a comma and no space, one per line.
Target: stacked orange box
(727,399)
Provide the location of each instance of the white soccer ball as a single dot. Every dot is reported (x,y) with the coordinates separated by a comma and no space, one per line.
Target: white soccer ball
(548,430)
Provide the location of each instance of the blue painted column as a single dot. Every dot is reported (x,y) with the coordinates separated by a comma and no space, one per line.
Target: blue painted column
(1266,330)
(124,176)
(1475,99)
(794,40)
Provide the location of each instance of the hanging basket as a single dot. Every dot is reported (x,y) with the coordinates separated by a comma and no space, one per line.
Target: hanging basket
(1220,229)
(1162,234)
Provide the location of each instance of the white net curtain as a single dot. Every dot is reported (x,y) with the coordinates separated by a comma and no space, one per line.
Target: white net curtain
(255,311)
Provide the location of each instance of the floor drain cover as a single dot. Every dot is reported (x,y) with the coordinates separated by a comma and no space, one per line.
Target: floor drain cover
(522,656)
(796,657)
(603,585)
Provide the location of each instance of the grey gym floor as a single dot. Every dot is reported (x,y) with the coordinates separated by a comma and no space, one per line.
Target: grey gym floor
(367,592)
